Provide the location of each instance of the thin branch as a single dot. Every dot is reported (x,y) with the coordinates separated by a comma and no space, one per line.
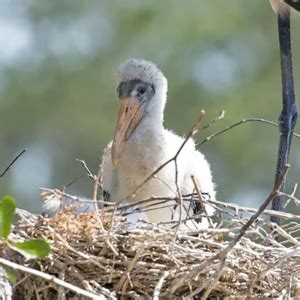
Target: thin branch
(223,254)
(155,198)
(72,182)
(291,197)
(253,218)
(220,116)
(210,283)
(180,205)
(269,212)
(157,289)
(14,160)
(95,194)
(243,121)
(58,192)
(51,278)
(201,200)
(130,267)
(88,171)
(276,264)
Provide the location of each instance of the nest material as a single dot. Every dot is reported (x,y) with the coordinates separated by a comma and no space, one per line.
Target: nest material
(116,260)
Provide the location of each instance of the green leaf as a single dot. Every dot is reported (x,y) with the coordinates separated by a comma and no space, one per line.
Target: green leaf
(10,274)
(7,211)
(32,248)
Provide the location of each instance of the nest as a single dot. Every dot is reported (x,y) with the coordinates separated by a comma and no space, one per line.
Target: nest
(101,254)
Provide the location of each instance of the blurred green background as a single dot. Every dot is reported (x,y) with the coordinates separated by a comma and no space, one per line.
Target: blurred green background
(57,86)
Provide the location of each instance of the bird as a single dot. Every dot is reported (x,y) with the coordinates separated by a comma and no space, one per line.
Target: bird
(141,144)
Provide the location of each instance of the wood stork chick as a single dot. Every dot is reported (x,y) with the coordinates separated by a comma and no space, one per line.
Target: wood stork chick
(141,144)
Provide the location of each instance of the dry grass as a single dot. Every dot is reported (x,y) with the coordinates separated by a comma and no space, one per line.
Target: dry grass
(116,259)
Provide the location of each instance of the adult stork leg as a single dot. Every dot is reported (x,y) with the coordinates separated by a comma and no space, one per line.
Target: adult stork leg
(288,116)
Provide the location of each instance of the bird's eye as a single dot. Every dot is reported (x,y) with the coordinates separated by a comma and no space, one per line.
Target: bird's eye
(141,90)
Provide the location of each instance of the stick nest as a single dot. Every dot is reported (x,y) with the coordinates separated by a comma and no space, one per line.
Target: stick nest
(112,259)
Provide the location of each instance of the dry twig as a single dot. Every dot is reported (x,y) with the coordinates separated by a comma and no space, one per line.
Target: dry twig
(12,162)
(243,121)
(50,278)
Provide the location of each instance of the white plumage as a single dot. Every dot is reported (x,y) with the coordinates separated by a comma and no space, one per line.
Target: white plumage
(142,144)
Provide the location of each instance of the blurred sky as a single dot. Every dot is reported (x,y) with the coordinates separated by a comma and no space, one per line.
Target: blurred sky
(57,86)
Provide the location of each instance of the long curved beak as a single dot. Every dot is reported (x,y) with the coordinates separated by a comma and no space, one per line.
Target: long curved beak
(131,112)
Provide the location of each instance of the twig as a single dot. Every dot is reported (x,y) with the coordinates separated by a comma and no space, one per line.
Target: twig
(95,194)
(220,116)
(136,207)
(149,207)
(14,160)
(243,121)
(109,232)
(211,283)
(180,206)
(79,253)
(268,212)
(215,280)
(130,267)
(159,285)
(190,134)
(275,265)
(84,165)
(290,197)
(58,192)
(201,200)
(96,179)
(274,193)
(246,226)
(223,254)
(50,278)
(157,198)
(72,182)
(96,185)
(284,234)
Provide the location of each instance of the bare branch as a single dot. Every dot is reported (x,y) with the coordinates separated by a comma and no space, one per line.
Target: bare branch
(243,121)
(156,293)
(95,194)
(201,200)
(14,160)
(220,116)
(72,181)
(244,229)
(84,165)
(51,278)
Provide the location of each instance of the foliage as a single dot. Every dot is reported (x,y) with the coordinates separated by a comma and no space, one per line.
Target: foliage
(7,211)
(30,249)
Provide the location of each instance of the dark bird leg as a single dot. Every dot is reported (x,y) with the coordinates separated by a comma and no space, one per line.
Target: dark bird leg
(293,3)
(288,116)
